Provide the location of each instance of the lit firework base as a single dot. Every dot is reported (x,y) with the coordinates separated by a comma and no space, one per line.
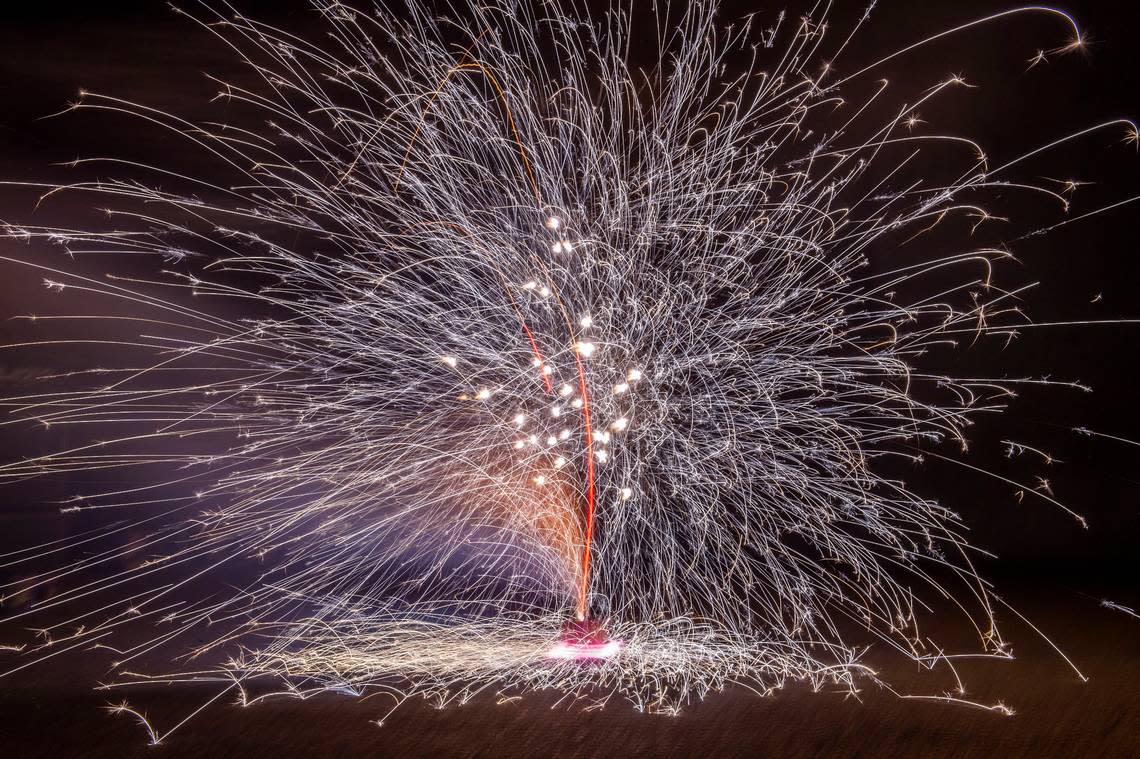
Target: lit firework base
(563,374)
(450,662)
(583,640)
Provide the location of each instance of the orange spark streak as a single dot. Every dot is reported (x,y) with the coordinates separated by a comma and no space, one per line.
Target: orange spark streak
(584,582)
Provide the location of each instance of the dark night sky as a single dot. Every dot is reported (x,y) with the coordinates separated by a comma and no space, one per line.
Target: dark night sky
(142,52)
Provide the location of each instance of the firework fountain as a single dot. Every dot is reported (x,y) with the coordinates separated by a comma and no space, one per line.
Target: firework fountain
(552,370)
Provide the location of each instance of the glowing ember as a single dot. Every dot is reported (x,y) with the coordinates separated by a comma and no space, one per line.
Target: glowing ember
(584,639)
(568,650)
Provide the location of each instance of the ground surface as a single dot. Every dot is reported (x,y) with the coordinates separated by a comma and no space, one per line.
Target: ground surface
(50,712)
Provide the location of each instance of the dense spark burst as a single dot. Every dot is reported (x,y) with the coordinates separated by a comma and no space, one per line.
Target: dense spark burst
(531,332)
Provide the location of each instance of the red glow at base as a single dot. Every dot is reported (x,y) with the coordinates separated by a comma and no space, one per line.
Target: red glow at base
(584,639)
(564,650)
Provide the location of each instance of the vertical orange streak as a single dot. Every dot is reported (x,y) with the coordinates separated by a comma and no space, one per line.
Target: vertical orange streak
(537,354)
(584,581)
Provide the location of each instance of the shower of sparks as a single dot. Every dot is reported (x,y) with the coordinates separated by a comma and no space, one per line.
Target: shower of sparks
(528,333)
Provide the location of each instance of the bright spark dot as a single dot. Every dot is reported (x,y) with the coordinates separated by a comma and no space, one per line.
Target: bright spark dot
(566,390)
(552,440)
(559,462)
(602,455)
(536,361)
(547,370)
(556,411)
(520,419)
(620,424)
(621,388)
(530,285)
(544,292)
(483,394)
(576,403)
(626,493)
(449,360)
(540,480)
(586,322)
(553,222)
(564,435)
(634,375)
(520,444)
(585,349)
(556,247)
